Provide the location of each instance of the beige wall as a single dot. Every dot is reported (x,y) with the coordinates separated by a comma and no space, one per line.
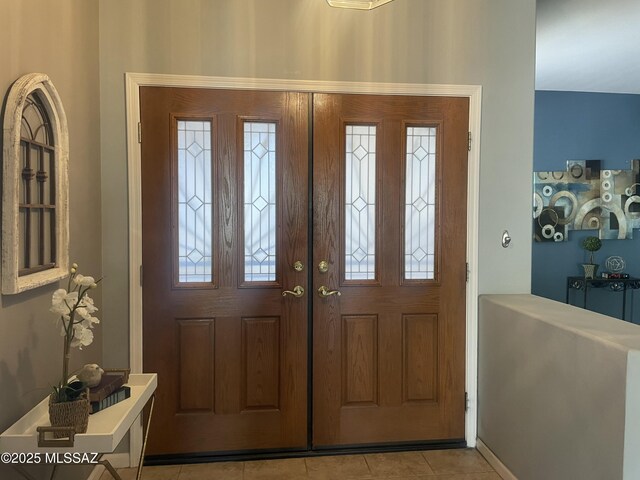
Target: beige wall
(558,390)
(483,42)
(60,39)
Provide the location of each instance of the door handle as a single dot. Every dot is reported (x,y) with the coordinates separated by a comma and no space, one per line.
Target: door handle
(324,292)
(297,292)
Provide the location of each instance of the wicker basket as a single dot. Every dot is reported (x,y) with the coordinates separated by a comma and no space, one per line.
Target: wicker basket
(69,414)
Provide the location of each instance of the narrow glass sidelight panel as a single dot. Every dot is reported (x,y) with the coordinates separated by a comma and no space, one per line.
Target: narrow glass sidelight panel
(259,202)
(420,208)
(194,202)
(360,202)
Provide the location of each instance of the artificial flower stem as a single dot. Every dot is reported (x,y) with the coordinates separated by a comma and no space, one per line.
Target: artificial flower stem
(68,303)
(65,362)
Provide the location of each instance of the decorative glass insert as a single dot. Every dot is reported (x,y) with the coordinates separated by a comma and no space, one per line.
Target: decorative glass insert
(420,205)
(194,202)
(37,202)
(259,202)
(360,202)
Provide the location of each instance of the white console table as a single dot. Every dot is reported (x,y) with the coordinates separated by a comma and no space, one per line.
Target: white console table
(32,433)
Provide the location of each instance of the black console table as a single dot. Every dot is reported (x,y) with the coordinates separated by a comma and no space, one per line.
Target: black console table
(612,284)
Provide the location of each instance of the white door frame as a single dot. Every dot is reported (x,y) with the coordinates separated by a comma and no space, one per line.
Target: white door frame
(136,80)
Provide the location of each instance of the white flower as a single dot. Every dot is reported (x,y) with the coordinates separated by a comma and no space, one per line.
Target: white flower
(83,281)
(87,319)
(82,336)
(62,302)
(87,302)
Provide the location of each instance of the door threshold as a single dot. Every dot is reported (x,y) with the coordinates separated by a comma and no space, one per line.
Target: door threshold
(275,454)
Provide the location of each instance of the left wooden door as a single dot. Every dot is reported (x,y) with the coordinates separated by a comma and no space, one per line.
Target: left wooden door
(221,237)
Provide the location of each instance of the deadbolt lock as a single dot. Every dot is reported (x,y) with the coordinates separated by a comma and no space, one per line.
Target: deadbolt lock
(298,266)
(323,266)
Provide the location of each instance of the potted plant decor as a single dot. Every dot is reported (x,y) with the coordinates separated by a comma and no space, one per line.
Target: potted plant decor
(591,244)
(69,402)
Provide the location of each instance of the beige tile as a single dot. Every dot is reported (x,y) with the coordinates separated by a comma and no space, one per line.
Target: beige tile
(125,474)
(398,465)
(289,469)
(212,471)
(464,476)
(165,472)
(461,464)
(408,477)
(168,472)
(466,460)
(455,476)
(341,467)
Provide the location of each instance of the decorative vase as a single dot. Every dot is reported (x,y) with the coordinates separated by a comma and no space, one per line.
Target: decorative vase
(590,269)
(69,414)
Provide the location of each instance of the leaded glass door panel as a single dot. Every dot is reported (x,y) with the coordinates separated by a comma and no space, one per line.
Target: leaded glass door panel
(221,234)
(389,205)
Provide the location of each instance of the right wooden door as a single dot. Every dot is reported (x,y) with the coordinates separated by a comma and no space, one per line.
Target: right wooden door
(389,260)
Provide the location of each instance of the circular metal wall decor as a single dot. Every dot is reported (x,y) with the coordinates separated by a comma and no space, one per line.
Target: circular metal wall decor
(615,264)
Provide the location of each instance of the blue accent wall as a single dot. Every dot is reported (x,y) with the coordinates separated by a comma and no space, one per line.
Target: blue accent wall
(585,126)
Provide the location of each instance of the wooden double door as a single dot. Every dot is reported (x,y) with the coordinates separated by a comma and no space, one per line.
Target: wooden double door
(259,343)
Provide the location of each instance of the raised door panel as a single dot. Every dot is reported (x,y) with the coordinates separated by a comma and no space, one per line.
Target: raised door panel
(359,360)
(195,365)
(420,355)
(260,363)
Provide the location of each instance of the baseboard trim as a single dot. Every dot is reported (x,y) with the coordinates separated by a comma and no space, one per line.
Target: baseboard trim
(117,460)
(494,461)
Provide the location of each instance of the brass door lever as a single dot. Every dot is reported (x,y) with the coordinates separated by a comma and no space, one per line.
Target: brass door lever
(324,292)
(297,291)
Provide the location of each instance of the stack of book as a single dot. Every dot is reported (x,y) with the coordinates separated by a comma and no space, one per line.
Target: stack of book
(109,391)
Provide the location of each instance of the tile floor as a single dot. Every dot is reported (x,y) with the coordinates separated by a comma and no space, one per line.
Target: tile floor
(460,464)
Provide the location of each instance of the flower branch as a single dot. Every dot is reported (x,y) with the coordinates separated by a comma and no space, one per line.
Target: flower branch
(75,309)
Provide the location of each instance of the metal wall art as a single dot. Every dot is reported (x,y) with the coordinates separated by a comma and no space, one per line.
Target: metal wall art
(585,197)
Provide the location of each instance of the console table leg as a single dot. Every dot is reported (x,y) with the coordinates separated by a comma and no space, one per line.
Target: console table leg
(108,465)
(146,435)
(110,468)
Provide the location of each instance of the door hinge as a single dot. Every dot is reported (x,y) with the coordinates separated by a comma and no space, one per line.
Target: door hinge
(469,141)
(466,402)
(139,132)
(468,271)
(141,273)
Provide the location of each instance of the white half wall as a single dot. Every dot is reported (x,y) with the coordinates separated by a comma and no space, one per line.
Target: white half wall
(559,389)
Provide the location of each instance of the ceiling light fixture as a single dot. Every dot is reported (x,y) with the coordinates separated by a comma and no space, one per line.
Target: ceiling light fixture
(357,4)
